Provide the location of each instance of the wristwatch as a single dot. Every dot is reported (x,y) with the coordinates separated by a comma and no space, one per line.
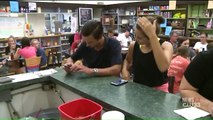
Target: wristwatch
(95,70)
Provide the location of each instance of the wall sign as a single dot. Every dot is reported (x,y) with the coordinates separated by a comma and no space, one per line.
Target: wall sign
(85,14)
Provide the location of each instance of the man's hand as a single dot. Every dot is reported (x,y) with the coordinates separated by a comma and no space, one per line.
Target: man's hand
(67,67)
(75,68)
(125,75)
(86,70)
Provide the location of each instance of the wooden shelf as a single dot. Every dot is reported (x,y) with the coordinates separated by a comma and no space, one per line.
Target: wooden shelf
(200,29)
(3,46)
(109,24)
(63,50)
(199,17)
(176,18)
(147,10)
(126,15)
(65,44)
(147,15)
(64,39)
(176,27)
(179,9)
(110,13)
(52,46)
(163,36)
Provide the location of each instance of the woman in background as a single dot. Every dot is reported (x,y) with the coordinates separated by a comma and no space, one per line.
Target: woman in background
(26,50)
(177,68)
(11,49)
(202,45)
(12,46)
(184,41)
(76,42)
(149,56)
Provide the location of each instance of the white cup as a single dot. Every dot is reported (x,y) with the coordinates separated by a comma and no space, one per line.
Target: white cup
(39,9)
(113,115)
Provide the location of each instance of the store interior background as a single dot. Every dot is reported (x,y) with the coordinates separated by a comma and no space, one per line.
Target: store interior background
(54,16)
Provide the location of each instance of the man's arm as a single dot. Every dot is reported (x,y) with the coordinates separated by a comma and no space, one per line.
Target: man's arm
(190,94)
(114,70)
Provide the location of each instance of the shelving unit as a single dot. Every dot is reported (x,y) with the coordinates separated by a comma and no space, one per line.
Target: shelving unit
(54,21)
(176,18)
(50,43)
(192,11)
(127,18)
(2,50)
(118,18)
(199,18)
(59,43)
(110,19)
(178,9)
(65,45)
(56,46)
(2,47)
(173,18)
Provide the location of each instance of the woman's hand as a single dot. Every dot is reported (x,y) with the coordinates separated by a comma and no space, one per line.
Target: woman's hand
(148,28)
(125,74)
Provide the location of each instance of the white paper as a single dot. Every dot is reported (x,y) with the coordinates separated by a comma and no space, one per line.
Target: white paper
(24,77)
(30,76)
(45,72)
(191,113)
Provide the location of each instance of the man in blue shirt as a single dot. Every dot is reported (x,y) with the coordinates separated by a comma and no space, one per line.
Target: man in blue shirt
(100,55)
(40,52)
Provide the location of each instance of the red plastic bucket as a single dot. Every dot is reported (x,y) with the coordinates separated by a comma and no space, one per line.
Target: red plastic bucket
(80,109)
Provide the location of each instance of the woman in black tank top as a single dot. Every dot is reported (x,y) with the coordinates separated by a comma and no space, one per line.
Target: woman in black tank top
(149,56)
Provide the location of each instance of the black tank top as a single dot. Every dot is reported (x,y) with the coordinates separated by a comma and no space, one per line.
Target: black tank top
(145,69)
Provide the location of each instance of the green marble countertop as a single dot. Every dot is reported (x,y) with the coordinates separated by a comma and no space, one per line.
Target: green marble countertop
(133,99)
(16,85)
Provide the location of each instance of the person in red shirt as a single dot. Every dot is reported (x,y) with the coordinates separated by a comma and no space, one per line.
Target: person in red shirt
(178,66)
(76,42)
